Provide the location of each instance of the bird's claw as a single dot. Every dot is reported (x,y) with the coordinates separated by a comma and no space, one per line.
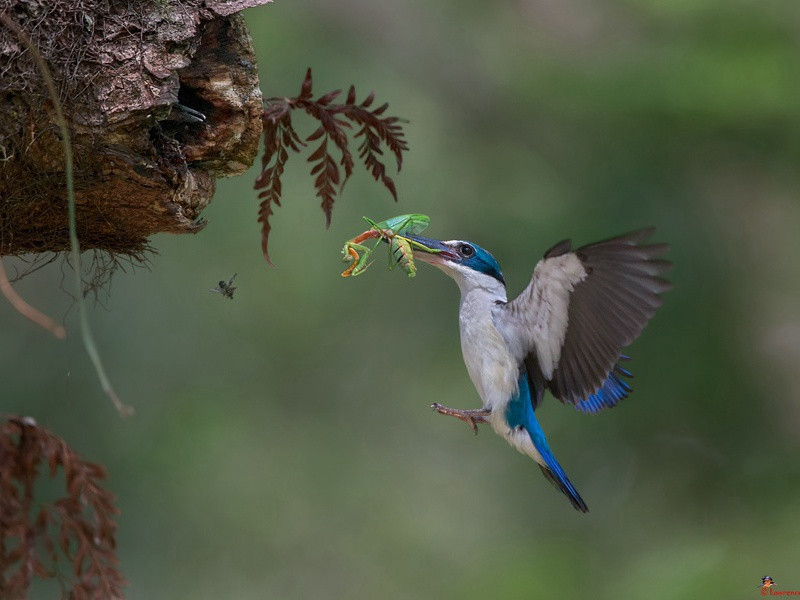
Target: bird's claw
(470,417)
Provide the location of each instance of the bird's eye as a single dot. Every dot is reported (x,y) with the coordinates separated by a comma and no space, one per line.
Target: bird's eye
(466,250)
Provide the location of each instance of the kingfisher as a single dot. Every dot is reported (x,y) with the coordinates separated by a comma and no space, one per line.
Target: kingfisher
(564,333)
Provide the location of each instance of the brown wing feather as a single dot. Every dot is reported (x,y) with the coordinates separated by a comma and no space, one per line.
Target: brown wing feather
(608,310)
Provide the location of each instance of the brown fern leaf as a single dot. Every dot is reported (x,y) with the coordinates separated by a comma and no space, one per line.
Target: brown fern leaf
(327,177)
(34,535)
(387,129)
(305,89)
(278,136)
(334,122)
(368,151)
(335,129)
(327,172)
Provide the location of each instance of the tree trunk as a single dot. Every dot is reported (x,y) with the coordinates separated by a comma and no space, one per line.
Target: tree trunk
(161,98)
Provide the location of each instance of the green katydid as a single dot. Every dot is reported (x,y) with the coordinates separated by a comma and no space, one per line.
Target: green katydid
(393,231)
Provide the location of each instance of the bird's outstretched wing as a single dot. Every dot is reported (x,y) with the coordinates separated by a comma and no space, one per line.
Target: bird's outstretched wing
(580,310)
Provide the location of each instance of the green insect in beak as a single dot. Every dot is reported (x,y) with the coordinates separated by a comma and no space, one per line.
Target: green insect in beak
(393,231)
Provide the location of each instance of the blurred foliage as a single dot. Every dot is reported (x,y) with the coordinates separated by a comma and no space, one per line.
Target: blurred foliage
(283,446)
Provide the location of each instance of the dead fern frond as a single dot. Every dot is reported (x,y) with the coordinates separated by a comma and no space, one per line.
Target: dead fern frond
(330,174)
(35,535)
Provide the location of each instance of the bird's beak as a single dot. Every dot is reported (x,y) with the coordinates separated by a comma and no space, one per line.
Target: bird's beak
(431,251)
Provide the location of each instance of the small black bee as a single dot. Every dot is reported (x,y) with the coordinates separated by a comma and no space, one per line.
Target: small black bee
(226,289)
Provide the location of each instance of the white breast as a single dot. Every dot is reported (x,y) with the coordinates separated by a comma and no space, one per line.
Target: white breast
(491,366)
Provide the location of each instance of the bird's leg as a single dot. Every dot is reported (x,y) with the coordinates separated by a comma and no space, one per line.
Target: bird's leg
(470,417)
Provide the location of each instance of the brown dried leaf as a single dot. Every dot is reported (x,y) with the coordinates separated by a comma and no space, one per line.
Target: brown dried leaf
(334,122)
(264,213)
(320,153)
(80,524)
(328,98)
(368,100)
(320,131)
(305,89)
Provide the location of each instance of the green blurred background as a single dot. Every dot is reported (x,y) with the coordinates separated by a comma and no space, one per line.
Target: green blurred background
(283,445)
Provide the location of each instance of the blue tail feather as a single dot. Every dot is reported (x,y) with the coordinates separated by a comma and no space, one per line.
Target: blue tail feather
(519,413)
(553,472)
(610,393)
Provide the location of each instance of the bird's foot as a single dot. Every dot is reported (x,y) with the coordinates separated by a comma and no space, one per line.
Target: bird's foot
(470,417)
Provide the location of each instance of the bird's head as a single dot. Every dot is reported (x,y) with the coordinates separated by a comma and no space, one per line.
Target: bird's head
(467,263)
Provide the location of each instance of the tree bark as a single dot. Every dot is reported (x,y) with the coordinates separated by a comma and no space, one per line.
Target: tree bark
(162,97)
